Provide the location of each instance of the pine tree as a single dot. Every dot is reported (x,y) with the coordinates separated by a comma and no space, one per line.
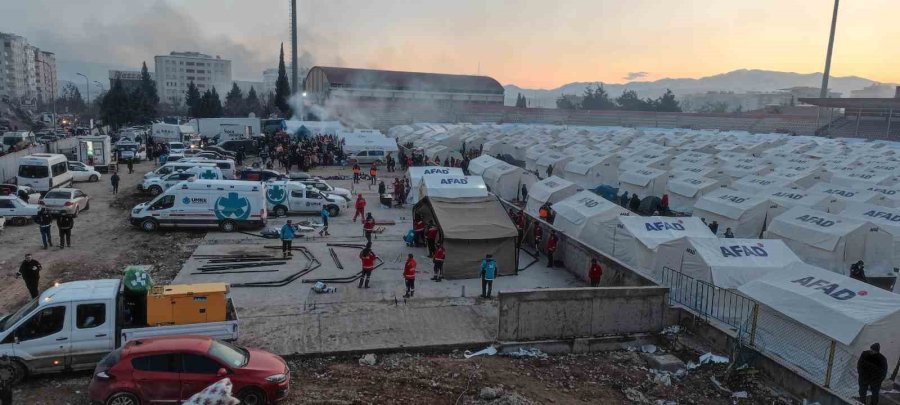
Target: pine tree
(251,103)
(115,108)
(215,104)
(192,99)
(282,87)
(234,102)
(521,102)
(597,99)
(667,102)
(150,97)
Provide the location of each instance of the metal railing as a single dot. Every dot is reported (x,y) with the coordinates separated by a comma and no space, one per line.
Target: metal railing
(711,302)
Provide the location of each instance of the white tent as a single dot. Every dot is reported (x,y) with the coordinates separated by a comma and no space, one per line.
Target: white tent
(452,187)
(741,170)
(783,199)
(555,159)
(533,154)
(549,190)
(637,241)
(505,180)
(744,213)
(839,195)
(645,182)
(822,239)
(710,171)
(863,178)
(646,161)
(480,164)
(817,307)
(416,173)
(886,220)
(801,176)
(729,263)
(590,171)
(684,191)
(890,195)
(757,184)
(589,218)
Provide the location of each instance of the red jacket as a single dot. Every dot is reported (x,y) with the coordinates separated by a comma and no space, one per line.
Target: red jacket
(355,169)
(419,225)
(439,254)
(369,225)
(360,203)
(431,233)
(551,243)
(368,261)
(595,272)
(409,272)
(520,221)
(373,171)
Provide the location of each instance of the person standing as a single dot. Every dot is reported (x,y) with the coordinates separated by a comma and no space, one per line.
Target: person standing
(544,212)
(431,235)
(714,227)
(419,230)
(438,259)
(65,223)
(634,203)
(728,233)
(324,214)
(369,227)
(130,165)
(872,370)
(488,273)
(381,188)
(595,272)
(858,271)
(524,193)
(373,172)
(44,221)
(538,237)
(356,170)
(360,207)
(114,180)
(409,275)
(623,200)
(287,238)
(367,256)
(551,248)
(30,271)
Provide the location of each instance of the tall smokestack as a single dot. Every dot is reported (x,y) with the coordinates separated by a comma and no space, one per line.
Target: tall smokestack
(294,87)
(827,72)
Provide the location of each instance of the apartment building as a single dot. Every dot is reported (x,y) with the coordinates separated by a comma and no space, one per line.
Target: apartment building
(178,69)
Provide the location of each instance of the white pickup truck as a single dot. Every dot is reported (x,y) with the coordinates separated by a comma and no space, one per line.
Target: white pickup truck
(73,325)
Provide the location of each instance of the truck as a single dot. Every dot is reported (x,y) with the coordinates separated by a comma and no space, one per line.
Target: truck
(284,197)
(226,204)
(186,134)
(72,326)
(96,151)
(225,129)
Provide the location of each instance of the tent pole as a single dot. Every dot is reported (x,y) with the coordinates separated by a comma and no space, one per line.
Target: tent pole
(830,364)
(753,325)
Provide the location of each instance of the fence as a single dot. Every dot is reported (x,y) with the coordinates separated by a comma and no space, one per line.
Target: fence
(8,163)
(813,355)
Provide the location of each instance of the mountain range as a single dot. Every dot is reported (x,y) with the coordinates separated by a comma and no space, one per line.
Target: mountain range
(738,81)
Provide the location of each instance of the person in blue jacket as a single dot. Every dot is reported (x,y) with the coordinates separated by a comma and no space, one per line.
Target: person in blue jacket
(488,272)
(324,214)
(287,236)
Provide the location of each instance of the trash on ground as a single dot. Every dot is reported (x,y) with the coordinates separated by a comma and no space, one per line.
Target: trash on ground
(488,351)
(712,358)
(322,288)
(532,352)
(648,349)
(368,360)
(740,394)
(672,330)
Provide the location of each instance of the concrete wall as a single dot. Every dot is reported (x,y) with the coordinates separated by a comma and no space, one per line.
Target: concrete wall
(565,313)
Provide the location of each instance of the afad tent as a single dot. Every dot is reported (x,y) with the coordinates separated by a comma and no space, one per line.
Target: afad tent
(890,194)
(549,190)
(471,228)
(727,262)
(645,182)
(589,218)
(783,199)
(825,240)
(744,213)
(479,165)
(887,220)
(505,180)
(840,196)
(593,170)
(684,191)
(637,241)
(453,187)
(416,173)
(759,184)
(816,307)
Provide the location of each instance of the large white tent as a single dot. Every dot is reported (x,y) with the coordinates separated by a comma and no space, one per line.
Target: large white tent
(783,199)
(757,184)
(729,262)
(593,170)
(643,182)
(817,307)
(555,160)
(416,173)
(890,195)
(822,239)
(549,190)
(887,220)
(744,213)
(505,180)
(684,191)
(637,241)
(452,187)
(840,196)
(589,218)
(480,164)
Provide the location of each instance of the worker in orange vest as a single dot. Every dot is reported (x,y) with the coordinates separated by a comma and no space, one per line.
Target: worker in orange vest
(367,256)
(438,259)
(373,172)
(544,212)
(360,207)
(356,170)
(551,248)
(409,274)
(369,227)
(595,272)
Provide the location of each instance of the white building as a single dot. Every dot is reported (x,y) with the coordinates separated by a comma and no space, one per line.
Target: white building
(27,74)
(178,69)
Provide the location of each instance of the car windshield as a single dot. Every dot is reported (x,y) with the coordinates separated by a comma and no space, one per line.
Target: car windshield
(34,172)
(228,354)
(11,320)
(57,195)
(130,148)
(11,141)
(176,145)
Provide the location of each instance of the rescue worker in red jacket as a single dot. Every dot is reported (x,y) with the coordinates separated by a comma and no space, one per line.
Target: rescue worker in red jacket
(551,248)
(431,235)
(369,227)
(419,230)
(595,272)
(438,259)
(367,256)
(409,274)
(538,236)
(360,207)
(373,172)
(356,170)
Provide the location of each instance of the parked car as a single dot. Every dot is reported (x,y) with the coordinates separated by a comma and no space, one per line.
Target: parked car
(16,211)
(235,145)
(220,150)
(171,369)
(324,187)
(83,172)
(298,176)
(261,175)
(66,201)
(25,193)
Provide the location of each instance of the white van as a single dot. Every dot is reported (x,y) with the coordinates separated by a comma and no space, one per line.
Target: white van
(227,166)
(283,197)
(173,167)
(226,204)
(43,171)
(17,140)
(156,185)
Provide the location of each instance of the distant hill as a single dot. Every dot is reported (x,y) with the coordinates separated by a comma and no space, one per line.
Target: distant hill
(738,81)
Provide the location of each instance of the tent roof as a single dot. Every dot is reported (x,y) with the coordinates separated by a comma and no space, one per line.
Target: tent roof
(761,183)
(689,186)
(886,217)
(728,257)
(836,306)
(472,218)
(543,189)
(417,172)
(484,161)
(654,231)
(789,197)
(729,203)
(454,186)
(584,164)
(584,205)
(813,227)
(640,177)
(843,192)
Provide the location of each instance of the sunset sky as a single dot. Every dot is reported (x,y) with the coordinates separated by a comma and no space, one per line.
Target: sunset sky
(531,43)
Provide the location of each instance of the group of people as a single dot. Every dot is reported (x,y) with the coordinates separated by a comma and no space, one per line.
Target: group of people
(303,153)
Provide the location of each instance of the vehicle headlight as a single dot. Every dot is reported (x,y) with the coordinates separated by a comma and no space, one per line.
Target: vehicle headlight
(277,378)
(136,211)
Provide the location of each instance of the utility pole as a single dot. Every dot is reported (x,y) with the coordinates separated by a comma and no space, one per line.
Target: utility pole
(827,72)
(294,87)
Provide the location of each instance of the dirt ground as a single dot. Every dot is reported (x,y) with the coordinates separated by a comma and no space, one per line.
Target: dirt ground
(103,242)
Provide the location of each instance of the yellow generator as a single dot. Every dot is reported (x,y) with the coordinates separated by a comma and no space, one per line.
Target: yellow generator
(186,303)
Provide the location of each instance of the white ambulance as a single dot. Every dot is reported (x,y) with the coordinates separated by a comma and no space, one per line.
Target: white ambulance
(224,204)
(283,197)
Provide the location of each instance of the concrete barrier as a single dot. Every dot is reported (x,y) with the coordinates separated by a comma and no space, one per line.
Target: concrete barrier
(567,313)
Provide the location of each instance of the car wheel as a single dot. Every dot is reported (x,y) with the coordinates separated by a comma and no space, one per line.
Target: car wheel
(94,178)
(77,210)
(123,398)
(252,396)
(18,221)
(87,205)
(155,190)
(149,225)
(12,372)
(333,211)
(280,211)
(228,226)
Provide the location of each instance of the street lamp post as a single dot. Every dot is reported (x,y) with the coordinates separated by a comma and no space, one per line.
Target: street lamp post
(87,85)
(102,89)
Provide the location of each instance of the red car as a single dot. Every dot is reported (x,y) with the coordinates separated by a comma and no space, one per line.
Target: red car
(172,369)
